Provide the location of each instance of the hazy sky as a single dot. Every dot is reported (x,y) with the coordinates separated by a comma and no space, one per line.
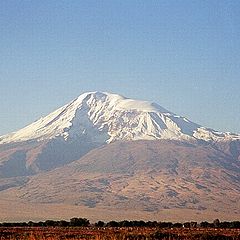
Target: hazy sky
(184,55)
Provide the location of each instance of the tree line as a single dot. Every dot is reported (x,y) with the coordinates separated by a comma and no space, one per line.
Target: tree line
(83,222)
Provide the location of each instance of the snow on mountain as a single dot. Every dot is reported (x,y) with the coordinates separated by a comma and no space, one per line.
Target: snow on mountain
(105,117)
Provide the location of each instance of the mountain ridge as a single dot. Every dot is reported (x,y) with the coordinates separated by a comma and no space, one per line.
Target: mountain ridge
(114,117)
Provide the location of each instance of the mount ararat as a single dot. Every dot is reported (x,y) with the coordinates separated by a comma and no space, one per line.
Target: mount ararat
(112,157)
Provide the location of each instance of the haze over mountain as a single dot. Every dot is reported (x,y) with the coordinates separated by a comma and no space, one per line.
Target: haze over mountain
(110,153)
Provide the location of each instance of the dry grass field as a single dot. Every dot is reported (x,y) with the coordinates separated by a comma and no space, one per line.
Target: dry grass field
(108,233)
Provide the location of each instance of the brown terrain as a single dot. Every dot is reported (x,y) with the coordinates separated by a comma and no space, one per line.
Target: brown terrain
(160,179)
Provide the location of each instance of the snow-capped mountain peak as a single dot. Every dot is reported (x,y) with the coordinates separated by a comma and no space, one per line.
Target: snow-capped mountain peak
(105,117)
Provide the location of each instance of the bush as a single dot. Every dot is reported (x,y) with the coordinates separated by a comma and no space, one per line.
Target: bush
(79,222)
(99,224)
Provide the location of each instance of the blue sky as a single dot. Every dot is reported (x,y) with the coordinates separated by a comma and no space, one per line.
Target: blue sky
(184,55)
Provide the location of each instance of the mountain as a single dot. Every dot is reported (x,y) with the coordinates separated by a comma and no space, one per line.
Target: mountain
(105,152)
(105,118)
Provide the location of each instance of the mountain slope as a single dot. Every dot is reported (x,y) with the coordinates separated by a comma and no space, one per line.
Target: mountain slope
(108,152)
(146,176)
(91,120)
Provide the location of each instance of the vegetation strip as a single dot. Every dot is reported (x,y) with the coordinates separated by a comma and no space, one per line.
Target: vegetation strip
(81,228)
